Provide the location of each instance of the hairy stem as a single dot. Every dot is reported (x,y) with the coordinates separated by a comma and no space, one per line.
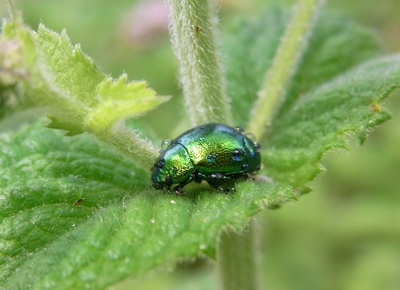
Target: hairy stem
(193,26)
(130,144)
(284,65)
(237,257)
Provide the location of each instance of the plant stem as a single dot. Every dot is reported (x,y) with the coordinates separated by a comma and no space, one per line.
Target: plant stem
(129,143)
(193,26)
(284,65)
(237,257)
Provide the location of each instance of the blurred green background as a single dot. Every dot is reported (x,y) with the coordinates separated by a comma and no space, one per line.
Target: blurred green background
(345,234)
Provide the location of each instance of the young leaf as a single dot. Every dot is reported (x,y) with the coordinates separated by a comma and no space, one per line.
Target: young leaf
(78,96)
(83,90)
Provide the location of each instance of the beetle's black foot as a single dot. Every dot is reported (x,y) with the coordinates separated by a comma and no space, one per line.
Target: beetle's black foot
(226,189)
(261,177)
(178,190)
(222,183)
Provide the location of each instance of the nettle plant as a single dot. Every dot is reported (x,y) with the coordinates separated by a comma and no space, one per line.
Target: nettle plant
(76,213)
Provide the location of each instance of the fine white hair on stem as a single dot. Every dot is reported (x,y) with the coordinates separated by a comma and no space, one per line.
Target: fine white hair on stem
(195,39)
(284,65)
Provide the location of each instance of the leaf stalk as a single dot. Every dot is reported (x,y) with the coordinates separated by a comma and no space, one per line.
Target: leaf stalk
(284,65)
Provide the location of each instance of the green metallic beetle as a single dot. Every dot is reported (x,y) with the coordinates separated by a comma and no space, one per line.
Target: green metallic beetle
(216,153)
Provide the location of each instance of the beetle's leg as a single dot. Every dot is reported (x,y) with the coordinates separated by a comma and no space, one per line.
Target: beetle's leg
(198,177)
(225,189)
(156,186)
(178,188)
(223,182)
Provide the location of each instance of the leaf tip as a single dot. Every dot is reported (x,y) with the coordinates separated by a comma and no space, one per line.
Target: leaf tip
(55,123)
(376,107)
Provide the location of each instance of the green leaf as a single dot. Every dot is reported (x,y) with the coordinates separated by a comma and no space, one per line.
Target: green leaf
(312,120)
(55,239)
(122,105)
(322,119)
(336,45)
(42,175)
(90,100)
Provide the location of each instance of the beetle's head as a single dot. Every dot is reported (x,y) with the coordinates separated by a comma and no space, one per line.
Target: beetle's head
(161,175)
(174,166)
